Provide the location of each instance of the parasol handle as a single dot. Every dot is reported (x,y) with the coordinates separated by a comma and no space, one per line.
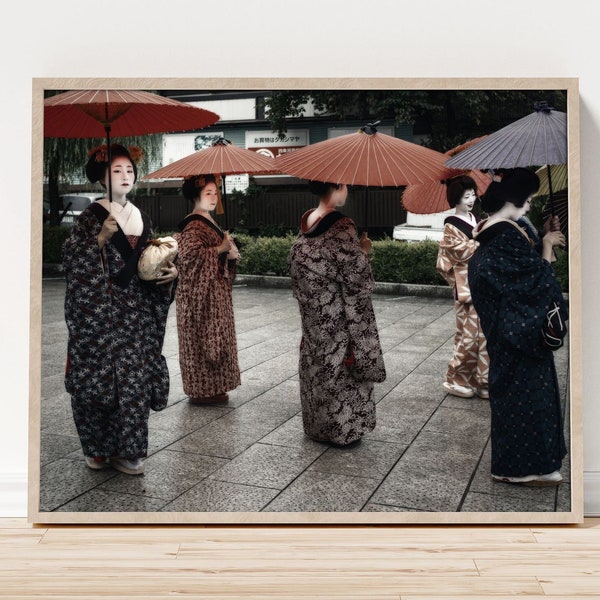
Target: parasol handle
(224,199)
(107,129)
(551,196)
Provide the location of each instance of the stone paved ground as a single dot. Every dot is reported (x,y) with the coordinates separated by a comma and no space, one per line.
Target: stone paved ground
(429,452)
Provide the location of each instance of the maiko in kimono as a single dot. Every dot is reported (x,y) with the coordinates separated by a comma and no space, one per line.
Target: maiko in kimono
(115,369)
(207,263)
(523,315)
(467,372)
(340,352)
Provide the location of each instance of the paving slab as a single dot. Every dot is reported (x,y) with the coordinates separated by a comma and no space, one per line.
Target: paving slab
(428,452)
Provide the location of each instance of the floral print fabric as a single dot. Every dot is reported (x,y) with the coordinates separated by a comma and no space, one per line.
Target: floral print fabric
(115,370)
(469,365)
(205,320)
(332,281)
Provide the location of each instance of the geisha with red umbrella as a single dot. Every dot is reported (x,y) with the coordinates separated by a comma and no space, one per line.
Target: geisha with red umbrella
(115,371)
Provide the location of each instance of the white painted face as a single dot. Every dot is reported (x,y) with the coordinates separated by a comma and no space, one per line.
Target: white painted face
(122,175)
(467,201)
(208,197)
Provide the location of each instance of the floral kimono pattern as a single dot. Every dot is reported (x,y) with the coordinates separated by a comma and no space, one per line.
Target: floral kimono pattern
(115,370)
(340,352)
(513,289)
(205,320)
(469,365)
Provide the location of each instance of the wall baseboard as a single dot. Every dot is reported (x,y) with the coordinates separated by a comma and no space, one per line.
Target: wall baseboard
(591,494)
(13,494)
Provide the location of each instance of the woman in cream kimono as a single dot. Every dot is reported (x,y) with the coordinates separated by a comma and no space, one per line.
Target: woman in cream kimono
(468,368)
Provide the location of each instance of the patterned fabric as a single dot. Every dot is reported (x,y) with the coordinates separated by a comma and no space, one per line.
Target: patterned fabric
(332,281)
(115,370)
(469,365)
(205,320)
(512,289)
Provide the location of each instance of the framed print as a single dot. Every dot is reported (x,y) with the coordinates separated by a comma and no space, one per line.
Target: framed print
(116,363)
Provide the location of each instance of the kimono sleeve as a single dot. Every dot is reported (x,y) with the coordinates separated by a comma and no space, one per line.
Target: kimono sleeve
(357,283)
(82,257)
(454,253)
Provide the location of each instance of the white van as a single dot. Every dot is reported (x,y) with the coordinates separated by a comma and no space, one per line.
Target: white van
(74,204)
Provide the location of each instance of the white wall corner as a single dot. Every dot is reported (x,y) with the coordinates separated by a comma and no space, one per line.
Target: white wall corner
(591,494)
(13,495)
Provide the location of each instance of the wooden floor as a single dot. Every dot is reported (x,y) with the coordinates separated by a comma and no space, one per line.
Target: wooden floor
(219,562)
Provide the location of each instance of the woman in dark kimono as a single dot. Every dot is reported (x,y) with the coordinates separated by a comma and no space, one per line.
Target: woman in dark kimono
(522,314)
(207,263)
(340,353)
(115,370)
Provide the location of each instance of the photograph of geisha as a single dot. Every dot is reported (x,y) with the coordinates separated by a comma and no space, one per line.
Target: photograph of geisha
(349,304)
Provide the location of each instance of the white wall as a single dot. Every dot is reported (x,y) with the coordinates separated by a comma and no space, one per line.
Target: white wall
(253,38)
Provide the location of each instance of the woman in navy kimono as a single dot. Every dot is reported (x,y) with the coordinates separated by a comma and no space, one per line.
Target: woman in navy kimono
(522,314)
(115,370)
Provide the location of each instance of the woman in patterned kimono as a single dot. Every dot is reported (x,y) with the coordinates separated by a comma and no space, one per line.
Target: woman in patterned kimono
(115,370)
(467,372)
(523,314)
(205,322)
(340,353)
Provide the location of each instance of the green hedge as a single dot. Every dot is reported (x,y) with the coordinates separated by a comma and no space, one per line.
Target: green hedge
(52,241)
(403,262)
(392,261)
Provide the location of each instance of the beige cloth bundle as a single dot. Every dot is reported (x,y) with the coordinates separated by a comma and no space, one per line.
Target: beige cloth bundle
(155,256)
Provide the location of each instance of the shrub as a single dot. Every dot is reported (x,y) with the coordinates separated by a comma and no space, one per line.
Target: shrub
(52,242)
(392,261)
(561,268)
(402,262)
(265,256)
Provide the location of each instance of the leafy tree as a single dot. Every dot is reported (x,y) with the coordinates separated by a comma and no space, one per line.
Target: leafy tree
(446,117)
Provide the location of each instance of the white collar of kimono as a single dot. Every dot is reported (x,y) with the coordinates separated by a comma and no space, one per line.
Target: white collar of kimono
(468,218)
(128,216)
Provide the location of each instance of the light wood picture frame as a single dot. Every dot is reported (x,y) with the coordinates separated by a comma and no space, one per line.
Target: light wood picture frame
(47,405)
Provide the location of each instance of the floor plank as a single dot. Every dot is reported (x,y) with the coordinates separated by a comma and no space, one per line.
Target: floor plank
(294,563)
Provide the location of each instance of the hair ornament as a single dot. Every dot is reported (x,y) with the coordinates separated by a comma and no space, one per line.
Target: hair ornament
(100,153)
(136,154)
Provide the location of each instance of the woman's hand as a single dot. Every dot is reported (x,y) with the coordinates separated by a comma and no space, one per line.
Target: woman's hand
(169,274)
(554,238)
(365,243)
(109,227)
(552,223)
(226,244)
(234,253)
(551,239)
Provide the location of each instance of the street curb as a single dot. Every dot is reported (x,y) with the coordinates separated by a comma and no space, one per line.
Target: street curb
(398,289)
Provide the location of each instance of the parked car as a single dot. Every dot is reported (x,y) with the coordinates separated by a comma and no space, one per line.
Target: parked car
(73,205)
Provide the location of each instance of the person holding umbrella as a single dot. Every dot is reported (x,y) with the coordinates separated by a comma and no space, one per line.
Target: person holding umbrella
(115,370)
(467,372)
(523,315)
(340,352)
(207,262)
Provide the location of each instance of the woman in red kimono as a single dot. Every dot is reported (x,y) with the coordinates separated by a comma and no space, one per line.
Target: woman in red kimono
(207,262)
(340,353)
(468,368)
